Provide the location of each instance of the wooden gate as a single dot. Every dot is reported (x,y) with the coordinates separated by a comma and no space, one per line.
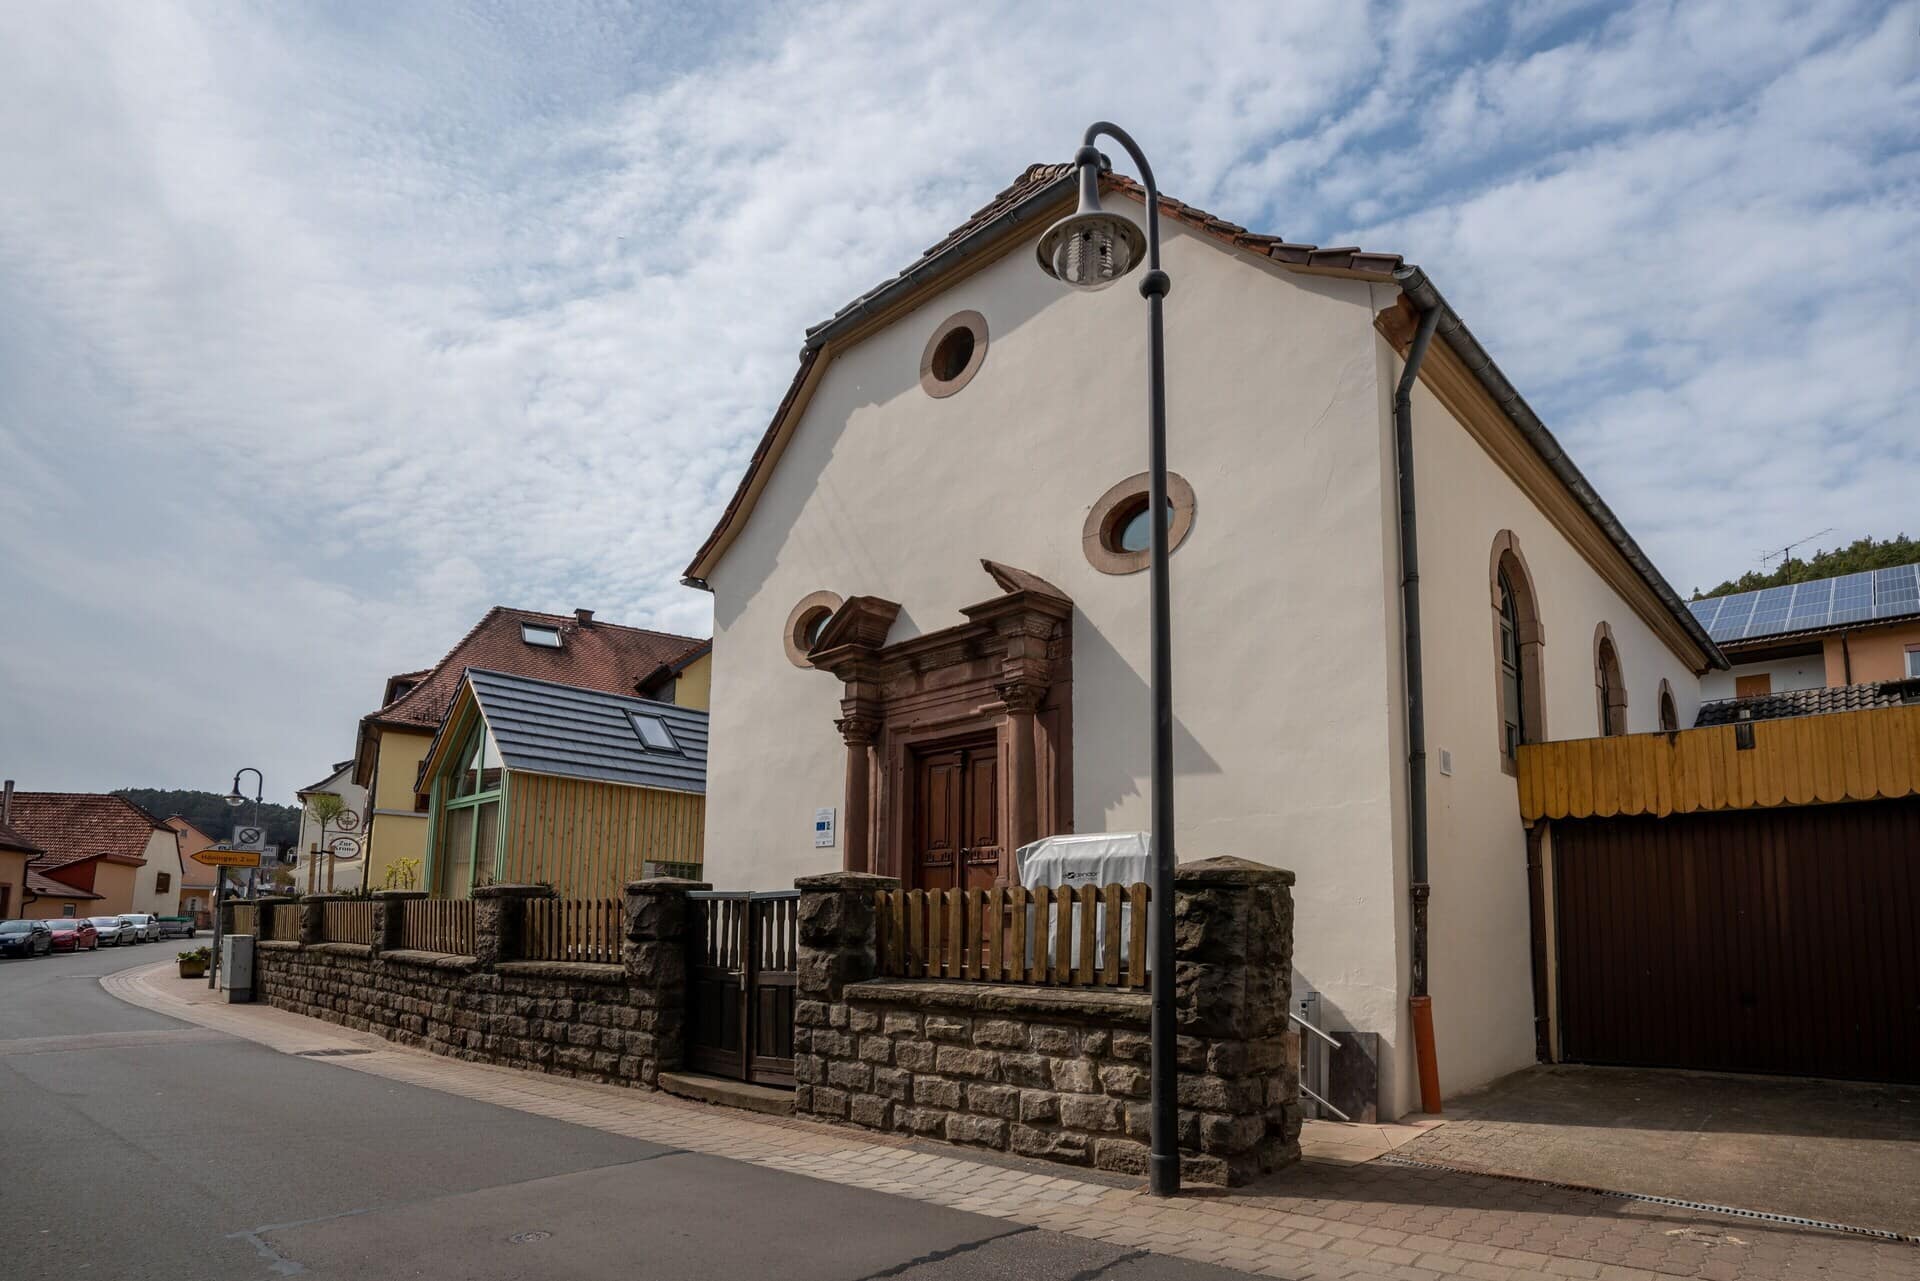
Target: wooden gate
(1779,940)
(741,984)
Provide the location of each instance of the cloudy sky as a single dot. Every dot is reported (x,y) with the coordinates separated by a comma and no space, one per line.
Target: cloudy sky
(323,329)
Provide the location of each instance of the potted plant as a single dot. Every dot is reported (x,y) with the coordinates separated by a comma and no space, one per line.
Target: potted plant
(193,963)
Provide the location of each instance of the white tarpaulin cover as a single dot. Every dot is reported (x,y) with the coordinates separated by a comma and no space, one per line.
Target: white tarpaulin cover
(1096,859)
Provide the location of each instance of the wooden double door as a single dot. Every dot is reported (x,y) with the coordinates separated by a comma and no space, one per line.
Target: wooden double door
(953,829)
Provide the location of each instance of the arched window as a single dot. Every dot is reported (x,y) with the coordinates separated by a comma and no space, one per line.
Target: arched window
(1519,646)
(1669,712)
(1610,685)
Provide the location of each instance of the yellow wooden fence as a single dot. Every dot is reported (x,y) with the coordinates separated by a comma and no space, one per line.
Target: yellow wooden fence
(1079,937)
(1801,760)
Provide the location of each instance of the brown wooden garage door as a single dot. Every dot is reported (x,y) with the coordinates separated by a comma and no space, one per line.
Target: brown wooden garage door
(1783,941)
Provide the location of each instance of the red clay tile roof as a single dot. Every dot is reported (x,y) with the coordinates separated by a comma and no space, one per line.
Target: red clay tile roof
(46,887)
(599,656)
(72,826)
(12,840)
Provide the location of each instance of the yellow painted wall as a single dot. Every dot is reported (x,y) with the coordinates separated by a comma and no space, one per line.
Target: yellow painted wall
(694,686)
(13,874)
(114,882)
(396,832)
(46,908)
(587,840)
(1879,654)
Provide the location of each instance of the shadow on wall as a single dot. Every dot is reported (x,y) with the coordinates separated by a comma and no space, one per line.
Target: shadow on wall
(889,362)
(1115,766)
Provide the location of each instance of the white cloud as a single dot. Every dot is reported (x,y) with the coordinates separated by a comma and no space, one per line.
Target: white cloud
(316,339)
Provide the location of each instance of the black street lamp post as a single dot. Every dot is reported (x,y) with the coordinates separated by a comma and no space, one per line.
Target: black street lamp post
(235,799)
(1087,250)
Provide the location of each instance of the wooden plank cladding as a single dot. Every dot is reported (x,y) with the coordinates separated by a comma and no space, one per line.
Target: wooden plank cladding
(587,840)
(243,918)
(560,929)
(285,920)
(1802,760)
(1069,937)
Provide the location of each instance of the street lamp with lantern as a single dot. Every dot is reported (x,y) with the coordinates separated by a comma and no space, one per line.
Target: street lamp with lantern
(236,799)
(1088,250)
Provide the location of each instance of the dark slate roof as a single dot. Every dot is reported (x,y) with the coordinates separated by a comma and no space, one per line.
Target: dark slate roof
(546,728)
(1808,702)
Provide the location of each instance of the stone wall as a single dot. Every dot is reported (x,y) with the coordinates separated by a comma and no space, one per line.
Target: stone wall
(614,1023)
(1061,1073)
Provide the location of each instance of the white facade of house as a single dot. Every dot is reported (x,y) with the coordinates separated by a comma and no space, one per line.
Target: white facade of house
(1802,671)
(346,874)
(162,869)
(1289,737)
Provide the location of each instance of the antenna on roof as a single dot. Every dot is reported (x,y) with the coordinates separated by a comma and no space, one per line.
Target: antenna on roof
(1786,553)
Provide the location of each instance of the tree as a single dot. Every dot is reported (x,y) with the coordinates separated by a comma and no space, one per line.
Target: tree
(325,809)
(1857,556)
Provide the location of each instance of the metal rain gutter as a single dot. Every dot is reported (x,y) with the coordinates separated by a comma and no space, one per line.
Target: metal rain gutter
(1420,290)
(1038,201)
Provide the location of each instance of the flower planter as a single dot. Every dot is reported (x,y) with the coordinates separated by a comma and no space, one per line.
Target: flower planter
(194,969)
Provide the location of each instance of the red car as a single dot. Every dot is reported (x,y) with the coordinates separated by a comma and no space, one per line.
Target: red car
(74,934)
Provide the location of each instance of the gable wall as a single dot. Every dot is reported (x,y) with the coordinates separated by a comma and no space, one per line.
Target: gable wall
(1283,695)
(163,858)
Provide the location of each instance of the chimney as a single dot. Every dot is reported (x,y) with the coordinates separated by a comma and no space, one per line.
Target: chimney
(585,616)
(6,804)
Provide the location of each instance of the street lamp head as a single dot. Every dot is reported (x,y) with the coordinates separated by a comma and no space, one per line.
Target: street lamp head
(1090,248)
(234,797)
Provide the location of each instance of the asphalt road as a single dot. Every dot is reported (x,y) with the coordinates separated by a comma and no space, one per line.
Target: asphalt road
(136,1146)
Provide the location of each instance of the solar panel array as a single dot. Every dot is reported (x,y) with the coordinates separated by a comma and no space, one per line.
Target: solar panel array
(1866,597)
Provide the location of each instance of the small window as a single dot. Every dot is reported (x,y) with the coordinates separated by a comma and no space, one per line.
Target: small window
(805,625)
(1913,660)
(162,883)
(542,636)
(653,732)
(953,354)
(1117,536)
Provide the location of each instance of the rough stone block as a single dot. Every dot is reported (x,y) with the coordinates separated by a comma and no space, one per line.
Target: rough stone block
(1073,1076)
(872,1111)
(915,1056)
(893,1083)
(828,1101)
(1000,1033)
(1227,1134)
(954,1061)
(1089,1112)
(923,1120)
(1122,1156)
(1026,1069)
(1055,1145)
(1136,1047)
(944,1027)
(994,1100)
(1039,1105)
(1125,1080)
(896,1022)
(931,1091)
(876,1049)
(984,1131)
(1051,1040)
(863,1020)
(850,1074)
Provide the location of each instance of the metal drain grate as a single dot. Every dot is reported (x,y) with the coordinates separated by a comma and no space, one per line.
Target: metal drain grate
(327,1054)
(1706,1207)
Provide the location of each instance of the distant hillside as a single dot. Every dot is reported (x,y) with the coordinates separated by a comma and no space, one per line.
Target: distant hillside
(210,812)
(1867,553)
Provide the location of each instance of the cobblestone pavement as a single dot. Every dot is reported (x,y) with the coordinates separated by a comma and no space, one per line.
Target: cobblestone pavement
(1316,1220)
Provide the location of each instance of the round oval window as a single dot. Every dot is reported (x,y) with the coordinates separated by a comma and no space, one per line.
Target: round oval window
(953,354)
(817,626)
(1118,534)
(1136,528)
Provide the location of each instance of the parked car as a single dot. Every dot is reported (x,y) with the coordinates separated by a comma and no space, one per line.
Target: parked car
(74,934)
(113,931)
(176,927)
(146,926)
(25,938)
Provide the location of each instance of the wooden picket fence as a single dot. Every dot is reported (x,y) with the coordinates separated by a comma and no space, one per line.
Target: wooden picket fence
(560,929)
(349,922)
(244,921)
(1074,937)
(438,925)
(286,922)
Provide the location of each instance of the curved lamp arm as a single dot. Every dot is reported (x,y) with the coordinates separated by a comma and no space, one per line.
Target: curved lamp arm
(1121,136)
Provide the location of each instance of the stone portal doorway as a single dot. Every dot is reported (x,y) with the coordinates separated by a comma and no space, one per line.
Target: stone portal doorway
(953,827)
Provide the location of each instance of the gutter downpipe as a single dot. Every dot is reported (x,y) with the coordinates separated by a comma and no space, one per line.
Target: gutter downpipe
(1420,1005)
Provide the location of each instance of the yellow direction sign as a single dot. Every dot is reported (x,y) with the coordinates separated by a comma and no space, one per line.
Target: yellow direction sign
(228,858)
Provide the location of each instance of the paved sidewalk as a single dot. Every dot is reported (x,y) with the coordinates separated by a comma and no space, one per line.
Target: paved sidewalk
(1320,1219)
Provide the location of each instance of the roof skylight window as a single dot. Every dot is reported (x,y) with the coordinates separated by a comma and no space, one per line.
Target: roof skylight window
(541,635)
(653,732)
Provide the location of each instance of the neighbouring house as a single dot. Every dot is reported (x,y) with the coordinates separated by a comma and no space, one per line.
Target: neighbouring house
(198,882)
(1854,629)
(973,414)
(319,869)
(16,851)
(529,781)
(572,649)
(118,857)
